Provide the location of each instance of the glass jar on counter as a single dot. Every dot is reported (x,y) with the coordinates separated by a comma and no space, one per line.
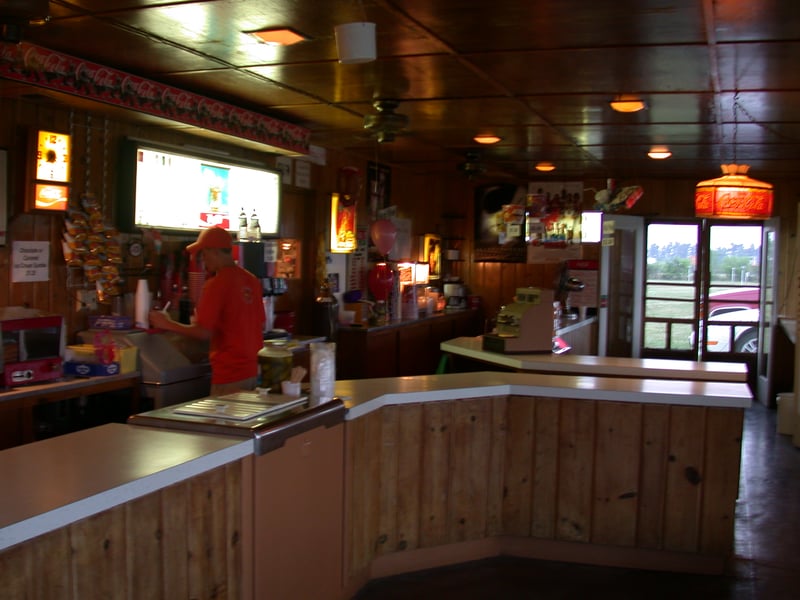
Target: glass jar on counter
(275,360)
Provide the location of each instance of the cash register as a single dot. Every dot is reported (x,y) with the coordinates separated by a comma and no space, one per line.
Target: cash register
(524,326)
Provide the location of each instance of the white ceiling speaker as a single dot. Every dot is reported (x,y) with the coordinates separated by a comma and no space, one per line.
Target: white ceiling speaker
(355,42)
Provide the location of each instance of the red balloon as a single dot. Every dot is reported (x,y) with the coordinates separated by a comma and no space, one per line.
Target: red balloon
(383,233)
(380,279)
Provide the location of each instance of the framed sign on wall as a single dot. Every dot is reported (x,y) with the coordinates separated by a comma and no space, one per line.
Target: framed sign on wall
(51,160)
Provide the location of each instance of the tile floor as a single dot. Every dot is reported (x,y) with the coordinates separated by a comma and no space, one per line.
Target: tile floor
(767,549)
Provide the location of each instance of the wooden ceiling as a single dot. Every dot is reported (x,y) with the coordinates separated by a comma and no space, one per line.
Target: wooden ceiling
(720,77)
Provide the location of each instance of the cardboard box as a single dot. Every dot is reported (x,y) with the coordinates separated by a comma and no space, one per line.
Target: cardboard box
(127,358)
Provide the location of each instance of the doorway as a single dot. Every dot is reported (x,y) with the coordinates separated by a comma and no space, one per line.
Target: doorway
(709,293)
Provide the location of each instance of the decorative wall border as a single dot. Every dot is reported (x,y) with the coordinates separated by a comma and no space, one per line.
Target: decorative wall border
(46,68)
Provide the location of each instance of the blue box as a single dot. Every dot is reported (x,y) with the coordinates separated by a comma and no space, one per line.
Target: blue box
(116,322)
(87,369)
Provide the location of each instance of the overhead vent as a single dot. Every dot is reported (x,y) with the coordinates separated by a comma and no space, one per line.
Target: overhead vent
(386,124)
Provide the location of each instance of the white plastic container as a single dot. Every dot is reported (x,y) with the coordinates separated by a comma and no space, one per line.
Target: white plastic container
(787,414)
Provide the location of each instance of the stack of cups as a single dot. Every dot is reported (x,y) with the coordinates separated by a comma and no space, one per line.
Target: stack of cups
(142,304)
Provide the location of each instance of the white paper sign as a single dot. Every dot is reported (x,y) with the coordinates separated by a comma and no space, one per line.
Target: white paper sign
(30,261)
(302,174)
(284,165)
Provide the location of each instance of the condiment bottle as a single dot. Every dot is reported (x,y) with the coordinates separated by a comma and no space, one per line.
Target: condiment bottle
(243,226)
(254,229)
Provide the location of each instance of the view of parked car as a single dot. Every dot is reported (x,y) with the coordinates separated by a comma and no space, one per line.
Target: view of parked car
(726,311)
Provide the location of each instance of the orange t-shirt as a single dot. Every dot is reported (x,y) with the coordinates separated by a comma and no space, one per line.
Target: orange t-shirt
(230,307)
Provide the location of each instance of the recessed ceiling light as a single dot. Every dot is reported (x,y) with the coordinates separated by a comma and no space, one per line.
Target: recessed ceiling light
(627,103)
(659,152)
(545,167)
(283,36)
(487,138)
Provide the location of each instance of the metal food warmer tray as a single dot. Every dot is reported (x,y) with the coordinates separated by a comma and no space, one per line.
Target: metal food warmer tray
(268,419)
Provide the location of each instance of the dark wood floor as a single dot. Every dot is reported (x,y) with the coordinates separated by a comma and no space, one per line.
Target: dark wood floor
(767,549)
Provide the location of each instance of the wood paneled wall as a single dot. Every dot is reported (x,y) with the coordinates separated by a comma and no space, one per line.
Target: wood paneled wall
(184,541)
(424,197)
(612,474)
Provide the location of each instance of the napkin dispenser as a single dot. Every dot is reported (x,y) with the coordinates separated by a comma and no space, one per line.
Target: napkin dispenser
(525,325)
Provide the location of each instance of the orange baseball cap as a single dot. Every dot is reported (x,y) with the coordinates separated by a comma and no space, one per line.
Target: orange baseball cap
(213,237)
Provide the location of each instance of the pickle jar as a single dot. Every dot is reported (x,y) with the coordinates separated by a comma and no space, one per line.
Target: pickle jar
(275,360)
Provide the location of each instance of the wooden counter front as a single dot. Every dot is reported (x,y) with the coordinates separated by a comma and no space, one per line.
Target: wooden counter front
(402,348)
(16,404)
(644,484)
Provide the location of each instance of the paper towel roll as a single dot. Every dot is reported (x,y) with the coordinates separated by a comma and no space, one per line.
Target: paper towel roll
(142,302)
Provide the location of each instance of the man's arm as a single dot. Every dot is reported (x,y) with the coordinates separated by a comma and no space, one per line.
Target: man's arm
(161,320)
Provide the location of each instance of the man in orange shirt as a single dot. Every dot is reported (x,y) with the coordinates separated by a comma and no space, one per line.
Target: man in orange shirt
(229,314)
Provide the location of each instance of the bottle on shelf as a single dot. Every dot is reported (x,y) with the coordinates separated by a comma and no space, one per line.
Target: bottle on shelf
(254,229)
(243,232)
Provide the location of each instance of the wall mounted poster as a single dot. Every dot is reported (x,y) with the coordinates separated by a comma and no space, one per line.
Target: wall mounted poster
(379,183)
(432,254)
(500,223)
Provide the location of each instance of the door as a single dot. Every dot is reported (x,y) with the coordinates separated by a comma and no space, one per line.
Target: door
(768,307)
(672,289)
(621,276)
(709,292)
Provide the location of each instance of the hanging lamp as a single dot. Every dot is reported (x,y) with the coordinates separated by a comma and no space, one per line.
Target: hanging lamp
(734,195)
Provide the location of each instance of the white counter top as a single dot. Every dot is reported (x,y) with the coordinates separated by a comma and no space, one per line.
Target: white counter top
(52,483)
(362,396)
(654,368)
(71,385)
(55,482)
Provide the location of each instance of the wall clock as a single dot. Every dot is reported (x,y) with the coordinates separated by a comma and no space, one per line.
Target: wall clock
(52,160)
(53,153)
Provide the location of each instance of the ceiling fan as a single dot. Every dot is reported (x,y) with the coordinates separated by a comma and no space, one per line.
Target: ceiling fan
(472,165)
(386,124)
(16,15)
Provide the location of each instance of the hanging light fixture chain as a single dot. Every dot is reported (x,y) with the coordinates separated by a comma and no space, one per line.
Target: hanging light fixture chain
(88,170)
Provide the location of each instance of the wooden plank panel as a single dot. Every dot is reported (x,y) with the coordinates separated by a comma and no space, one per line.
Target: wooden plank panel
(546,424)
(50,570)
(575,470)
(387,490)
(616,475)
(684,478)
(363,457)
(144,552)
(234,523)
(98,555)
(653,476)
(16,565)
(497,466)
(207,540)
(373,447)
(519,466)
(39,569)
(409,439)
(437,421)
(721,482)
(175,541)
(469,469)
